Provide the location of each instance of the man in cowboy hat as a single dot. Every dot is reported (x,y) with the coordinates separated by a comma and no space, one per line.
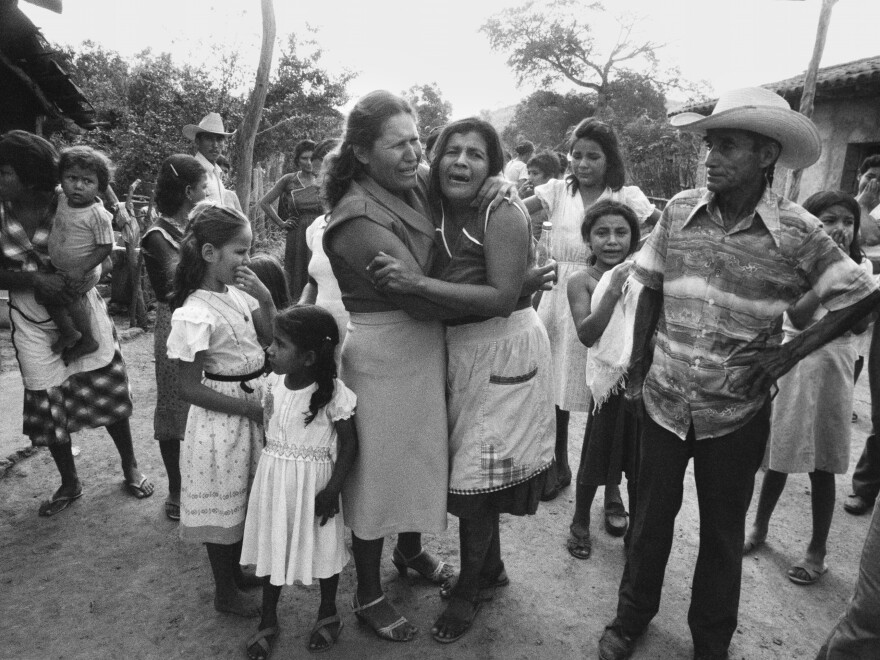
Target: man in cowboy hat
(713,279)
(209,136)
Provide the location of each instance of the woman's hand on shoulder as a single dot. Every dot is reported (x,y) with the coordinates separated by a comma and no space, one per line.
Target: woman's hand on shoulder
(326,505)
(495,189)
(247,281)
(51,288)
(392,275)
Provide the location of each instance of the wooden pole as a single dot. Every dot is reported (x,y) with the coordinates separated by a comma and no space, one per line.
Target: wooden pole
(809,92)
(247,133)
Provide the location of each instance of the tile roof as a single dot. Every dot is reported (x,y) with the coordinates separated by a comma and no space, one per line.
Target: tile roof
(856,78)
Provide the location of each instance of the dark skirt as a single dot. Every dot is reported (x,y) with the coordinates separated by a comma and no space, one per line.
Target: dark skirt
(85,400)
(610,444)
(521,499)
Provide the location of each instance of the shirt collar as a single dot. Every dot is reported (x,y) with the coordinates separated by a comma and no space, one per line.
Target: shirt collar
(210,168)
(767,210)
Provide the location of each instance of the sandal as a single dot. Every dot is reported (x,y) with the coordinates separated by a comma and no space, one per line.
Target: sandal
(57,503)
(430,568)
(580,546)
(262,640)
(172,510)
(322,628)
(615,518)
(140,489)
(370,615)
(455,623)
(486,590)
(806,573)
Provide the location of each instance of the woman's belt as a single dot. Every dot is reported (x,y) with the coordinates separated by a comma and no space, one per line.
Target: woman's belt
(241,380)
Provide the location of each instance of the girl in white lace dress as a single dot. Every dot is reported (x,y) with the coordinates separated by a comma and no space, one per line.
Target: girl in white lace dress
(221,312)
(294,530)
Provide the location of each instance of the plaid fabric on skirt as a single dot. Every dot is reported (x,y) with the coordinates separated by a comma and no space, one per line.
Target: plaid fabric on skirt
(85,400)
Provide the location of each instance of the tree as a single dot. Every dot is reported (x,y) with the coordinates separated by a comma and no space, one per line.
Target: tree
(302,100)
(431,109)
(247,132)
(545,117)
(553,41)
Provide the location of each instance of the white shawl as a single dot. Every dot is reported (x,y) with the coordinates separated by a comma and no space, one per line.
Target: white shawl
(609,358)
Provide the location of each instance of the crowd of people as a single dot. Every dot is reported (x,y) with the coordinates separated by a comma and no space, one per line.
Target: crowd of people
(411,358)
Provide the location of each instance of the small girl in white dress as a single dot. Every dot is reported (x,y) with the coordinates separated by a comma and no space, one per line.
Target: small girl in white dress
(294,529)
(215,334)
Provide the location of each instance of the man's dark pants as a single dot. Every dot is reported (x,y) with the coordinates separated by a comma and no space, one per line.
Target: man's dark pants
(724,471)
(866,478)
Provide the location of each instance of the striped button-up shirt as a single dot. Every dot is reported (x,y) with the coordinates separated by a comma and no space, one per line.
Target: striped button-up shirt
(724,292)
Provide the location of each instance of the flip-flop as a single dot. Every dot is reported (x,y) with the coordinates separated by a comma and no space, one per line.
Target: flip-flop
(57,504)
(486,590)
(465,624)
(812,571)
(172,510)
(579,546)
(321,627)
(137,489)
(263,640)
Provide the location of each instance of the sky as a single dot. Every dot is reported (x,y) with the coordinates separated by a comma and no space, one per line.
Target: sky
(395,44)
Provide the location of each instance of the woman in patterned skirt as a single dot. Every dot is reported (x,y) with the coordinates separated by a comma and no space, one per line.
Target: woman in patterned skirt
(59,398)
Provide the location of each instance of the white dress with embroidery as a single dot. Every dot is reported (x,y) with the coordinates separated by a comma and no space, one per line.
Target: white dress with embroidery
(282,536)
(220,452)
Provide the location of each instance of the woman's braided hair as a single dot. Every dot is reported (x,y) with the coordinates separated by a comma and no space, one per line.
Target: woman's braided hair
(313,328)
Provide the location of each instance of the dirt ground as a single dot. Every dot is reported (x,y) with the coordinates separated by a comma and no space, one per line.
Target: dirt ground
(110,578)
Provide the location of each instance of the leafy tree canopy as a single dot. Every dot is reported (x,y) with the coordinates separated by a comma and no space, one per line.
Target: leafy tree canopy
(553,41)
(431,109)
(144,102)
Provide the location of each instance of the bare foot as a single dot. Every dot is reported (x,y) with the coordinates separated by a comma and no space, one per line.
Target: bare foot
(137,483)
(236,603)
(754,539)
(66,342)
(78,350)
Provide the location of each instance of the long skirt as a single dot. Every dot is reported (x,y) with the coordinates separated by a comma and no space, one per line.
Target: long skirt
(397,367)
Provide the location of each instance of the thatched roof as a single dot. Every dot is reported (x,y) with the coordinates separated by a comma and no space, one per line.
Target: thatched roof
(33,81)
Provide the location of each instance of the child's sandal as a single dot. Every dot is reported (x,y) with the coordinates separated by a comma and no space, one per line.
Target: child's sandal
(322,628)
(262,642)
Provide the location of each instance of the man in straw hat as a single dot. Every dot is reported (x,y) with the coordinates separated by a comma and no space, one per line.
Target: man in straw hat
(209,136)
(714,278)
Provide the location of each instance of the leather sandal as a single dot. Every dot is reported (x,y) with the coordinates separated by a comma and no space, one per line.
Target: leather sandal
(615,518)
(369,616)
(430,568)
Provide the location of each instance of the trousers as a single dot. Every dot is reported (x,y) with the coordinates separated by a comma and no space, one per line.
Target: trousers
(724,471)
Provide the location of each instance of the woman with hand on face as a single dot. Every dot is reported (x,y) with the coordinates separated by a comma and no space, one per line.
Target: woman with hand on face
(498,378)
(597,173)
(299,203)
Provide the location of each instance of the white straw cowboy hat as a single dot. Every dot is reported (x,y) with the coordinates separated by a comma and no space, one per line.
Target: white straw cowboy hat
(764,112)
(211,123)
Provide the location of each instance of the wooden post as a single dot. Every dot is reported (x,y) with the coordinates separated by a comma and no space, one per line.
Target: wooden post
(808,94)
(247,133)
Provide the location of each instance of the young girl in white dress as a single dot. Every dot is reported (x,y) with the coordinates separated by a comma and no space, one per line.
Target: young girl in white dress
(221,312)
(597,173)
(294,529)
